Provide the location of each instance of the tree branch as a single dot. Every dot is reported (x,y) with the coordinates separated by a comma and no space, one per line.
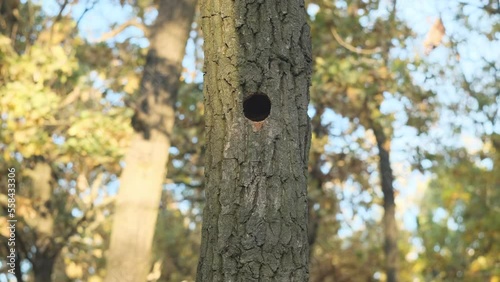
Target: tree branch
(62,7)
(119,29)
(85,12)
(351,48)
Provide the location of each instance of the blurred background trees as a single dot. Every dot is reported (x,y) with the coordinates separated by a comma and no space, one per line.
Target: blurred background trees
(141,181)
(412,85)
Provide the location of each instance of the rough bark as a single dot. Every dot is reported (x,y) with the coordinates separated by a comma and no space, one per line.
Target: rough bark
(255,218)
(389,219)
(141,181)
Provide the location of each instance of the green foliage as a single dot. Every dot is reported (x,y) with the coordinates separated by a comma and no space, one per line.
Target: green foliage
(53,114)
(459,223)
(46,97)
(177,242)
(186,159)
(357,70)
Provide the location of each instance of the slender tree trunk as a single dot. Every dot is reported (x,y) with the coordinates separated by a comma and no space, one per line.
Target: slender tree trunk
(386,175)
(389,219)
(18,272)
(145,162)
(43,225)
(316,188)
(257,76)
(314,220)
(316,182)
(9,18)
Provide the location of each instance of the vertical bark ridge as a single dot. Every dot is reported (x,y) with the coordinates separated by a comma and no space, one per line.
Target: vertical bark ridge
(255,219)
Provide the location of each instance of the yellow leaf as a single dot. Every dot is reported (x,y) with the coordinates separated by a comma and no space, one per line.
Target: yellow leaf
(353,93)
(74,270)
(320,61)
(435,36)
(95,278)
(479,264)
(132,84)
(97,253)
(383,73)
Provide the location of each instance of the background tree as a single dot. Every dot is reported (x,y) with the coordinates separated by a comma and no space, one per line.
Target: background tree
(358,81)
(145,162)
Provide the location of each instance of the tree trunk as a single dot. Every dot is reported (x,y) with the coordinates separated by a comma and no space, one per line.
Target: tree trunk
(9,18)
(316,182)
(316,188)
(389,219)
(141,181)
(17,268)
(43,224)
(386,176)
(257,76)
(43,266)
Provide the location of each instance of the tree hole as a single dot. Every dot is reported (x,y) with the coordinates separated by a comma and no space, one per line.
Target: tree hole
(257,107)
